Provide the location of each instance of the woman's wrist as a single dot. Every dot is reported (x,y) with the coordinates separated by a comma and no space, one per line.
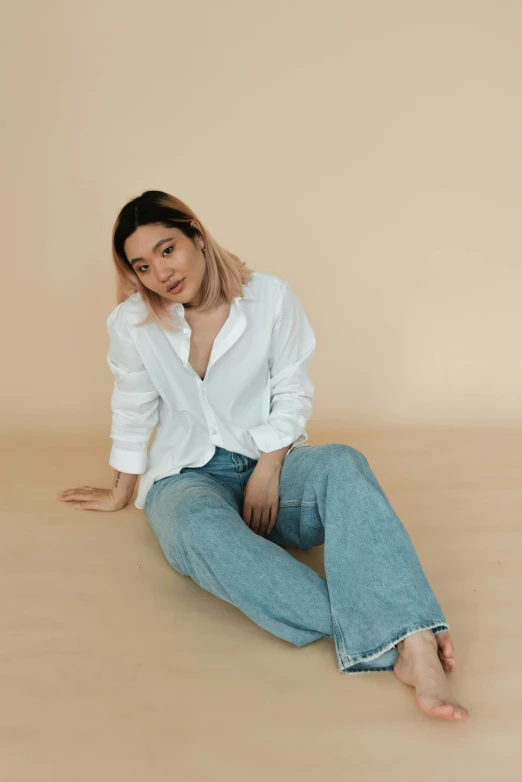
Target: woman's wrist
(274,458)
(123,486)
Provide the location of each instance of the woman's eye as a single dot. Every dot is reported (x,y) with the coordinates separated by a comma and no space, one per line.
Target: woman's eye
(146,267)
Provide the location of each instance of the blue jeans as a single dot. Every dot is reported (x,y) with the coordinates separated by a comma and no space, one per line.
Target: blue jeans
(375,592)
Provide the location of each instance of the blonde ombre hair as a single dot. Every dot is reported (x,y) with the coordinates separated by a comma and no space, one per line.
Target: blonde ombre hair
(225,273)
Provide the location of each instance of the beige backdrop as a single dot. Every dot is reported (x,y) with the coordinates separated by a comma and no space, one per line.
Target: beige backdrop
(367,152)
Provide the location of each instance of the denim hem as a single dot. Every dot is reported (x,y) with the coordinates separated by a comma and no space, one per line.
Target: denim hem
(355,670)
(346,662)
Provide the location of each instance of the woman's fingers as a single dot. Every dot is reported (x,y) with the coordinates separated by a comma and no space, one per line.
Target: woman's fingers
(267,521)
(75,494)
(76,490)
(260,520)
(82,495)
(92,498)
(273,518)
(263,521)
(256,520)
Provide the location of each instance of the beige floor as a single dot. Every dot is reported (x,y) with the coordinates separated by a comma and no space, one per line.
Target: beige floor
(114,667)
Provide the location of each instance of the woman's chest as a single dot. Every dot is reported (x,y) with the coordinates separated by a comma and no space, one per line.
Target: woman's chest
(230,353)
(205,328)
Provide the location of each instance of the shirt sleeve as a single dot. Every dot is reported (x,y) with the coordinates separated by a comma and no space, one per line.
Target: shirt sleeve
(291,390)
(134,400)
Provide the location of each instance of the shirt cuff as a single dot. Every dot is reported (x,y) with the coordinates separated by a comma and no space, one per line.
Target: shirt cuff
(268,439)
(133,462)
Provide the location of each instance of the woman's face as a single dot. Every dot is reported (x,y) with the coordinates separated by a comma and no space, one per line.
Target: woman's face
(162,256)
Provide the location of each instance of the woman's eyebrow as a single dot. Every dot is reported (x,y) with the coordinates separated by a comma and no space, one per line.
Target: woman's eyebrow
(156,246)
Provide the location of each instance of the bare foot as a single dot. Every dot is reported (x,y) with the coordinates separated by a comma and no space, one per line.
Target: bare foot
(423,658)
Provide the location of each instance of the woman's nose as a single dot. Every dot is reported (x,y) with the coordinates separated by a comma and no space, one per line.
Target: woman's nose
(165,274)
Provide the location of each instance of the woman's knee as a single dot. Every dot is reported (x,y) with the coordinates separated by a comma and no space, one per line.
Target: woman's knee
(340,454)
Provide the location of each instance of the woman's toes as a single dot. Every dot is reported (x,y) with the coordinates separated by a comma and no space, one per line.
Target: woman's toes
(445,644)
(460,713)
(444,710)
(448,665)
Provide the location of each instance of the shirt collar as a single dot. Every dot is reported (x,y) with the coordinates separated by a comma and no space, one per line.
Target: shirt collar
(246,294)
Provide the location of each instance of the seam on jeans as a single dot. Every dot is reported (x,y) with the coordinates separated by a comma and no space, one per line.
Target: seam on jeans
(297,503)
(338,637)
(348,660)
(355,671)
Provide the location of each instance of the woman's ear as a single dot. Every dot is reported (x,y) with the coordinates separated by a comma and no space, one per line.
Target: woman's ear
(196,225)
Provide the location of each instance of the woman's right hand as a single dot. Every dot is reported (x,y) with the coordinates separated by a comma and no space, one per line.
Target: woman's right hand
(90,498)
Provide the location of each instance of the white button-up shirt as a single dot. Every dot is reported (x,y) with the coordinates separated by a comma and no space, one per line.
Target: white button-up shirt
(255,396)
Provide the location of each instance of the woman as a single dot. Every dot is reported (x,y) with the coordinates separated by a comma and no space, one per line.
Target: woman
(215,356)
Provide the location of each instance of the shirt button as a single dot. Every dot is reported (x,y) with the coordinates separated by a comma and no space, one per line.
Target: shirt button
(214,431)
(204,391)
(185,331)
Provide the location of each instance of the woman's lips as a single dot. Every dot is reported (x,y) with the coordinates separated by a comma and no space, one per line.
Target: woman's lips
(177,287)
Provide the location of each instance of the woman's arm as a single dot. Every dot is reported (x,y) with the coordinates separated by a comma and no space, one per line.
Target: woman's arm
(291,390)
(274,458)
(134,401)
(123,486)
(135,413)
(93,498)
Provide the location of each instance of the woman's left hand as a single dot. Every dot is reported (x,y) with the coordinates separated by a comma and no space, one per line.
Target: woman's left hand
(261,497)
